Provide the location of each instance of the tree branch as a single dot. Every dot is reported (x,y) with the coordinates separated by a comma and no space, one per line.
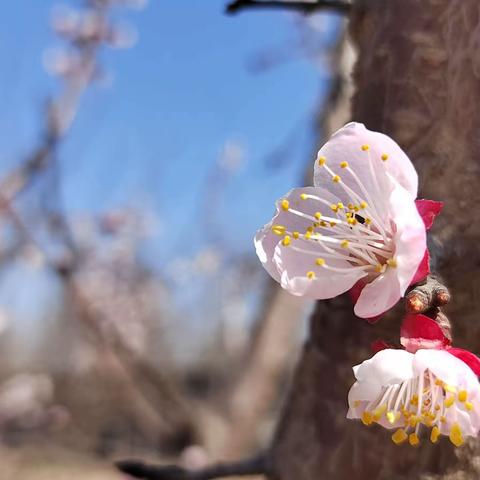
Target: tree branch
(306,7)
(257,465)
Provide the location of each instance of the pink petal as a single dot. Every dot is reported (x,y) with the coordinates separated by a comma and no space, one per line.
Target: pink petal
(355,292)
(468,357)
(345,145)
(447,367)
(420,331)
(410,238)
(294,266)
(423,269)
(428,210)
(265,240)
(386,367)
(378,296)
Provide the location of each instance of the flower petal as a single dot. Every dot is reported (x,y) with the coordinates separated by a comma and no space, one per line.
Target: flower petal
(467,357)
(423,269)
(420,331)
(379,295)
(410,238)
(326,284)
(266,240)
(387,367)
(345,145)
(410,245)
(447,368)
(428,210)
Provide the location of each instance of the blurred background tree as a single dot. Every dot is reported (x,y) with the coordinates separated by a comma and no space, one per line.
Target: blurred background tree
(135,318)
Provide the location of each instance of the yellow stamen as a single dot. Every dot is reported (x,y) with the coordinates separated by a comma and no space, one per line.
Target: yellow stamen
(414,400)
(323,223)
(322,161)
(285,204)
(318,215)
(449,402)
(340,206)
(384,157)
(443,419)
(399,436)
(469,406)
(378,412)
(332,224)
(462,396)
(310,229)
(367,418)
(286,241)
(278,229)
(413,439)
(343,164)
(308,235)
(449,388)
(320,262)
(365,147)
(379,269)
(334,208)
(391,262)
(352,221)
(368,221)
(413,421)
(296,235)
(344,243)
(456,436)
(303,196)
(336,178)
(391,417)
(434,434)
(363,204)
(310,275)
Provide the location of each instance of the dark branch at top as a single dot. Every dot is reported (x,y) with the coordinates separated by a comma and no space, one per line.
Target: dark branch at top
(305,7)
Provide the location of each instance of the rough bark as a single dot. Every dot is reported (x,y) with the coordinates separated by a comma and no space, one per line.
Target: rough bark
(417,79)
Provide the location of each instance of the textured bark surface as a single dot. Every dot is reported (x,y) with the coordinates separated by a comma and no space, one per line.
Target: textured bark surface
(417,79)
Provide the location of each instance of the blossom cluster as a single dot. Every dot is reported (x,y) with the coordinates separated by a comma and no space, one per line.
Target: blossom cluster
(361,229)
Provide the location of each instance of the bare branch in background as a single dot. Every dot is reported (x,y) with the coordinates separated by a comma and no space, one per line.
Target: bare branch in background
(258,465)
(304,7)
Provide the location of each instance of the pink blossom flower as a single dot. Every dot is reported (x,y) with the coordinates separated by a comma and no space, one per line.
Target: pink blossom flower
(401,390)
(358,226)
(431,384)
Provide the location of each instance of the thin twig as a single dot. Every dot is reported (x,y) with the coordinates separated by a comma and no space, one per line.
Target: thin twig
(257,465)
(305,7)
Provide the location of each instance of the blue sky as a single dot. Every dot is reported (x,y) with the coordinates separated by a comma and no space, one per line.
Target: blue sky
(155,133)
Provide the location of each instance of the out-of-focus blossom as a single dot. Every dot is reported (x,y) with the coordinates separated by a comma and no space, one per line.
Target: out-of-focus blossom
(405,391)
(122,36)
(24,399)
(359,223)
(232,156)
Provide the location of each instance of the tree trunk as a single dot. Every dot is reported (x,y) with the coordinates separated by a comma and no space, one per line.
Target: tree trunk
(417,79)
